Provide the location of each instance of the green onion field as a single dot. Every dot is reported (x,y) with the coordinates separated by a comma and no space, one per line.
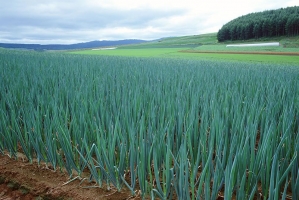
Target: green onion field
(172,128)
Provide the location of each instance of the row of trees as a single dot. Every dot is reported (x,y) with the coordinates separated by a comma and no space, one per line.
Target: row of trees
(284,21)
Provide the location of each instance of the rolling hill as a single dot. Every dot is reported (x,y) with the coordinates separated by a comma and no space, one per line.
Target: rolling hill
(85,45)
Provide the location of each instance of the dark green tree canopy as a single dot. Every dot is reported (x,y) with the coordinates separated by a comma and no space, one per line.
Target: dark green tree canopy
(270,23)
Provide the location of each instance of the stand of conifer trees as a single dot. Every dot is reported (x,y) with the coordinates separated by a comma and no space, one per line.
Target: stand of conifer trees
(270,23)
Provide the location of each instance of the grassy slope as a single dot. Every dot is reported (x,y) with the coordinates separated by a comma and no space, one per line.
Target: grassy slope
(287,44)
(222,47)
(171,47)
(179,42)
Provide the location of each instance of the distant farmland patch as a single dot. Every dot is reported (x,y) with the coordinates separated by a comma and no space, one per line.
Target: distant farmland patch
(254,45)
(107,48)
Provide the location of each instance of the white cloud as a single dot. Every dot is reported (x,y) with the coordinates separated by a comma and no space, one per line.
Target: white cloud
(69,21)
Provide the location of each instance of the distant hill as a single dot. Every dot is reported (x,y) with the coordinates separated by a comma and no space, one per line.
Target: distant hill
(85,45)
(269,23)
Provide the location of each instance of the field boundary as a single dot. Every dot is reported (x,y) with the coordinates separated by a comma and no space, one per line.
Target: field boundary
(244,52)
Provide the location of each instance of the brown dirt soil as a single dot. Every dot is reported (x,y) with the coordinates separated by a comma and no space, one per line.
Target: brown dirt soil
(245,52)
(20,180)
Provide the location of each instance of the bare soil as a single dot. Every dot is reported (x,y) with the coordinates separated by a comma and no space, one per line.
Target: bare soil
(21,180)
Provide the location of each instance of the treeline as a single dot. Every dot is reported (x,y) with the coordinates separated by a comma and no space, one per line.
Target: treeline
(270,23)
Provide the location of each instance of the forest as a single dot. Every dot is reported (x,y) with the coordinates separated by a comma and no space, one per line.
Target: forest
(269,23)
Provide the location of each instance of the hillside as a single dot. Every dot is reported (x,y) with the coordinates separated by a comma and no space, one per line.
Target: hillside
(270,23)
(209,41)
(178,42)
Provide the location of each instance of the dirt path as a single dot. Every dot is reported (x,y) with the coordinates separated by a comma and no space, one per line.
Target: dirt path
(244,52)
(20,180)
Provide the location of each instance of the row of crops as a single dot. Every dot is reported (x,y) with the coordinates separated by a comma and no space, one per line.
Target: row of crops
(171,128)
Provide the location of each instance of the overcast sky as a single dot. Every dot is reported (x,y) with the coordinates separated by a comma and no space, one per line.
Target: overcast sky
(72,21)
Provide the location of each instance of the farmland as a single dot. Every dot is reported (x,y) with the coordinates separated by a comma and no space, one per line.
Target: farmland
(206,47)
(158,126)
(209,52)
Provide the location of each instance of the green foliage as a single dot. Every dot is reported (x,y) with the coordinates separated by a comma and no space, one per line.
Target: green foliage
(270,23)
(183,128)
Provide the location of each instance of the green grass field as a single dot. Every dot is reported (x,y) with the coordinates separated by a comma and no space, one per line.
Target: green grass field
(279,59)
(143,52)
(176,53)
(172,48)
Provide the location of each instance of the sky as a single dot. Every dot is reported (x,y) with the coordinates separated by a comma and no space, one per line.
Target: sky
(74,21)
